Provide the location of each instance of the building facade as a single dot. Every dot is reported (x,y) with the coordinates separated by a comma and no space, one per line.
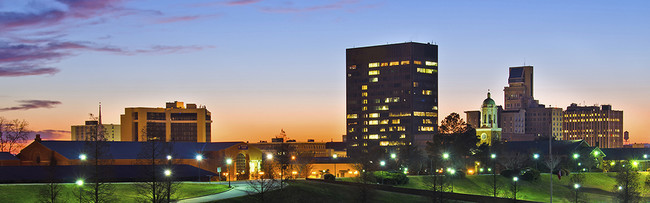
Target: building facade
(488,129)
(175,122)
(599,126)
(391,96)
(112,132)
(523,117)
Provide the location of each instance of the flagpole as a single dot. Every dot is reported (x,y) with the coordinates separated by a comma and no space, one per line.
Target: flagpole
(551,165)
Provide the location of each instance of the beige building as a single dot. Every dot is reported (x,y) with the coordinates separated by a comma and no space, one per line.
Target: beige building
(175,122)
(112,132)
(599,126)
(489,124)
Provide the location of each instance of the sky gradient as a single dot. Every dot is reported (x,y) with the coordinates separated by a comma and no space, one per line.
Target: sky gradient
(261,66)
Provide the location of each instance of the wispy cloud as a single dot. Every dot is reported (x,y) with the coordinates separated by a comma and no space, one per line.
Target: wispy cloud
(51,134)
(32,104)
(289,9)
(242,2)
(184,18)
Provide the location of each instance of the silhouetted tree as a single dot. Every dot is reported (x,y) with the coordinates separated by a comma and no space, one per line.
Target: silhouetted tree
(627,186)
(13,133)
(51,192)
(283,153)
(98,168)
(157,186)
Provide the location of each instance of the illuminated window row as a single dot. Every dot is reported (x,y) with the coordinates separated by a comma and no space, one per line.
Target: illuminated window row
(381,108)
(364,87)
(430,63)
(395,63)
(426,128)
(427,70)
(401,114)
(352,116)
(391,99)
(373,72)
(426,92)
(429,114)
(375,79)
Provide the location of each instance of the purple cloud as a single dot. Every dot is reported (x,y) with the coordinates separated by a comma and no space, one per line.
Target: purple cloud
(242,2)
(50,135)
(26,71)
(32,104)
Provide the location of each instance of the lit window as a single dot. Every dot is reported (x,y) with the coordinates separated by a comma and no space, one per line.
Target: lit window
(373,122)
(365,108)
(426,92)
(373,137)
(426,70)
(381,108)
(416,84)
(374,115)
(352,67)
(373,65)
(384,122)
(365,130)
(352,116)
(426,121)
(417,62)
(431,114)
(418,113)
(364,94)
(383,143)
(375,79)
(395,121)
(430,63)
(402,136)
(405,62)
(351,130)
(394,63)
(401,114)
(384,64)
(365,101)
(401,128)
(364,87)
(425,128)
(377,101)
(373,72)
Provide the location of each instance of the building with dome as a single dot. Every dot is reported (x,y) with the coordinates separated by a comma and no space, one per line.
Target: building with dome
(488,128)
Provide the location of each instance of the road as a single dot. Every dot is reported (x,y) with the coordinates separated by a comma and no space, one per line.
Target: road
(240,188)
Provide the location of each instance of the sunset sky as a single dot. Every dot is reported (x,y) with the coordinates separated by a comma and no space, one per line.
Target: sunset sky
(261,66)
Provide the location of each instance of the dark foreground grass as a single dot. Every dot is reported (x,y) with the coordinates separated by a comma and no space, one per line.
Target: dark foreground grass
(124,192)
(317,192)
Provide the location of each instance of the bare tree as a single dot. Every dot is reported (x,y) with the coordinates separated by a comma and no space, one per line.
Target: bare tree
(157,185)
(513,161)
(304,161)
(51,192)
(627,187)
(97,168)
(13,134)
(261,186)
(283,154)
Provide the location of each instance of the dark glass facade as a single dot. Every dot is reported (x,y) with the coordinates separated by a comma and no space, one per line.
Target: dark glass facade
(391,96)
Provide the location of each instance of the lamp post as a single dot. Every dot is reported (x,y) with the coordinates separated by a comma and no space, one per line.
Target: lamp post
(334,156)
(576,187)
(575,158)
(493,156)
(515,180)
(83,157)
(228,162)
(536,157)
(452,172)
(382,164)
(80,184)
(198,161)
(168,175)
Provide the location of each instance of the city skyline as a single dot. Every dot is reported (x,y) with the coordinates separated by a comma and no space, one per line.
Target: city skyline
(261,66)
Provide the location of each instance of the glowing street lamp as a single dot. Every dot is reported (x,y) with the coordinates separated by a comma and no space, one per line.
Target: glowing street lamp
(382,163)
(169,157)
(393,156)
(635,163)
(645,156)
(493,156)
(620,187)
(269,156)
(576,156)
(198,158)
(452,172)
(229,162)
(168,172)
(535,156)
(445,156)
(336,173)
(83,157)
(80,183)
(515,180)
(576,187)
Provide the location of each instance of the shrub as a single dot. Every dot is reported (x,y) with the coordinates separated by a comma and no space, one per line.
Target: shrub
(390,178)
(530,174)
(329,177)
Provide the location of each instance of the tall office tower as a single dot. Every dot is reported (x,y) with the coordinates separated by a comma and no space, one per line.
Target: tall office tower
(391,96)
(519,93)
(599,126)
(176,122)
(83,132)
(524,118)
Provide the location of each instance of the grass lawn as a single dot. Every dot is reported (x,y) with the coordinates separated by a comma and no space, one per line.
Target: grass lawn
(596,188)
(315,192)
(125,192)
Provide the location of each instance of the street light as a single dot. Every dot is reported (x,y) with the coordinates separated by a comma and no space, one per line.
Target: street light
(336,174)
(168,172)
(228,162)
(515,180)
(576,187)
(393,156)
(493,156)
(645,156)
(169,157)
(198,162)
(80,183)
(576,156)
(445,156)
(635,163)
(536,157)
(83,157)
(382,163)
(452,172)
(269,156)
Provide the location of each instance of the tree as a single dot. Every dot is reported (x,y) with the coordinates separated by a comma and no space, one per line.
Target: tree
(366,163)
(627,186)
(51,192)
(158,185)
(97,168)
(261,186)
(283,153)
(304,161)
(13,133)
